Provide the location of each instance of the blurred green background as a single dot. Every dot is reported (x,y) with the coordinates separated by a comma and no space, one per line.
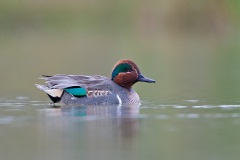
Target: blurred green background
(190,47)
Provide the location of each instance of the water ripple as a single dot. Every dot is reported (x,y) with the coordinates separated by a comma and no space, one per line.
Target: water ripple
(206,106)
(7,119)
(197,116)
(193,109)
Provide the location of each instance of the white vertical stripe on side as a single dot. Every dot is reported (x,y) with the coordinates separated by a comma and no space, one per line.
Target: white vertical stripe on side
(119,99)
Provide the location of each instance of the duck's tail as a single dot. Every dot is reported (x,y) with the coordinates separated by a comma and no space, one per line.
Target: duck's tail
(54,94)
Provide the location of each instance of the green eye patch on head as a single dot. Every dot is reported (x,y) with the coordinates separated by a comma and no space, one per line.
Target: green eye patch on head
(124,67)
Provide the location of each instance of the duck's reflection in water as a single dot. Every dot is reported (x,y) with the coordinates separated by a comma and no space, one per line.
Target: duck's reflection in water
(111,120)
(113,111)
(95,128)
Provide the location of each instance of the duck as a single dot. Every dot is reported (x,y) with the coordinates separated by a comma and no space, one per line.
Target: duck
(96,89)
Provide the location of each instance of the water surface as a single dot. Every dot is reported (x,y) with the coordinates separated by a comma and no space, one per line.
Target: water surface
(193,130)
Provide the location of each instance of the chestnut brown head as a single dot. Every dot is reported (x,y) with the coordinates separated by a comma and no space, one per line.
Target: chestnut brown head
(126,73)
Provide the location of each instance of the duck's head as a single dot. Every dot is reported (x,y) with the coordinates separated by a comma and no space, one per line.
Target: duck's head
(125,73)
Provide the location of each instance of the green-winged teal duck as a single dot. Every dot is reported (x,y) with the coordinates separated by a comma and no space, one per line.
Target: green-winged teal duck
(96,90)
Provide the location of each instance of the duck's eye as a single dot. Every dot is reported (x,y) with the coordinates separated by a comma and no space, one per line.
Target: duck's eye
(129,70)
(123,67)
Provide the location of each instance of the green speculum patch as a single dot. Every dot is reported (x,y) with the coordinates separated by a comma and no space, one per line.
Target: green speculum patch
(76,91)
